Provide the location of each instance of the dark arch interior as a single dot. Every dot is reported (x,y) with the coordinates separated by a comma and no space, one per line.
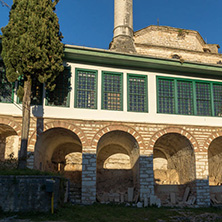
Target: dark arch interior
(8,142)
(59,149)
(117,166)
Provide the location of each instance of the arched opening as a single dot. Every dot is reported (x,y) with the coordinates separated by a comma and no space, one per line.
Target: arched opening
(215,168)
(117,167)
(9,143)
(60,150)
(174,167)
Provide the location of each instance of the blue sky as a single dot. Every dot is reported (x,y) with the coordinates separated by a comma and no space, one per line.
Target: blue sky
(90,22)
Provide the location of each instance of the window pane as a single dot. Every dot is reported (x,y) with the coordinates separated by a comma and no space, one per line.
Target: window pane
(203,99)
(60,95)
(185,97)
(112,91)
(86,89)
(137,94)
(166,96)
(217,90)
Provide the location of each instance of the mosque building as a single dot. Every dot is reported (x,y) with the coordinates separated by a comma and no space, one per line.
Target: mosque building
(142,117)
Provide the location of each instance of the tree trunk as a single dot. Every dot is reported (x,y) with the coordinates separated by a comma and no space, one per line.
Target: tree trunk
(22,163)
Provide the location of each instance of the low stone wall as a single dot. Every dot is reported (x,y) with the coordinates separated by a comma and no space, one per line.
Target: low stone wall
(28,193)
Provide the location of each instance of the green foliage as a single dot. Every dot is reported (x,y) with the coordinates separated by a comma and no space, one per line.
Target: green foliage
(32,42)
(5,86)
(120,213)
(20,92)
(8,164)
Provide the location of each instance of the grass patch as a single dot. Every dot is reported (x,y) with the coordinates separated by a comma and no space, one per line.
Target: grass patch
(28,172)
(120,213)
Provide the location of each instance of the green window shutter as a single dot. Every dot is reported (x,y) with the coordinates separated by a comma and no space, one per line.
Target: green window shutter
(86,89)
(189,97)
(137,93)
(166,95)
(112,91)
(185,97)
(203,99)
(60,96)
(217,99)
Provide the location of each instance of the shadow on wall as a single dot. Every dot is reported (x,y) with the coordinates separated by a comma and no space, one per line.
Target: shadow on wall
(117,166)
(60,150)
(9,143)
(168,174)
(174,167)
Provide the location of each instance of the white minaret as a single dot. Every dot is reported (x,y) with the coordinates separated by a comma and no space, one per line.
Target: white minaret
(123,27)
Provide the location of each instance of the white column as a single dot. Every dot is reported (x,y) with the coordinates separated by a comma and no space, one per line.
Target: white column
(123,20)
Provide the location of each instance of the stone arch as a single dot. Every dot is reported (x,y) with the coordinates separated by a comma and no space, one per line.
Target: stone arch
(118,151)
(61,124)
(210,139)
(12,124)
(213,148)
(9,139)
(173,162)
(123,128)
(180,131)
(59,149)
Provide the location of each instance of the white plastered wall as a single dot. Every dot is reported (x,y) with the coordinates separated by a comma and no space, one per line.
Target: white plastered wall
(124,116)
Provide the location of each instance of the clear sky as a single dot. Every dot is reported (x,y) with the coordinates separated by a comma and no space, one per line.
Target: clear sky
(90,22)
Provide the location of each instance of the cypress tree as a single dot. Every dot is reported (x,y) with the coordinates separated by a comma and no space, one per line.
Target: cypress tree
(32,51)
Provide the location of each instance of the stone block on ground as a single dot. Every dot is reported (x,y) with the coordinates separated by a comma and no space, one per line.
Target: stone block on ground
(155,201)
(139,204)
(191,200)
(213,199)
(146,202)
(116,197)
(218,197)
(136,198)
(122,198)
(173,198)
(130,194)
(186,194)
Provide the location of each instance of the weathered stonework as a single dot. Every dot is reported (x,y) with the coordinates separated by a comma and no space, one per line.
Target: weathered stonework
(174,43)
(28,193)
(146,136)
(88,178)
(122,44)
(106,152)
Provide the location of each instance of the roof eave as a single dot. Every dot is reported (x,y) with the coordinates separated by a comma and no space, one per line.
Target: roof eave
(135,61)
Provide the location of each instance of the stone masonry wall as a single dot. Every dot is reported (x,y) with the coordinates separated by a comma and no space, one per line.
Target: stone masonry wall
(146,135)
(27,193)
(185,55)
(174,43)
(170,37)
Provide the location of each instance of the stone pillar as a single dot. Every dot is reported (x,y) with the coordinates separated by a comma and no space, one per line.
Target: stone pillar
(88,178)
(146,176)
(2,148)
(202,179)
(123,27)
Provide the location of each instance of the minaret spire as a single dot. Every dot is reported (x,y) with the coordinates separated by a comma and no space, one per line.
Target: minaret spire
(123,27)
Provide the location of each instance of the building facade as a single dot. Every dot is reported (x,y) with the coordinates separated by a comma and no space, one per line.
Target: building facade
(147,118)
